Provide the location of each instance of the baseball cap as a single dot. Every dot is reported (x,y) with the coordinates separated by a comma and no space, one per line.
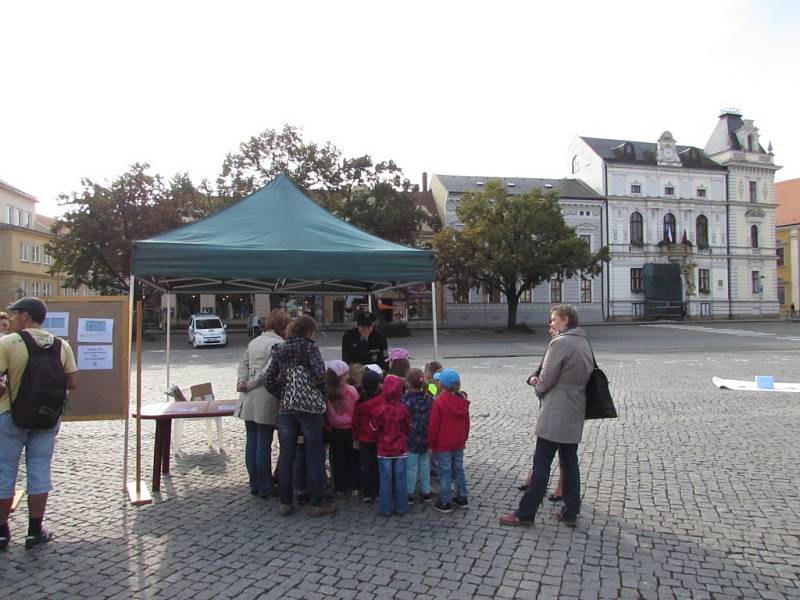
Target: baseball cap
(365,318)
(375,369)
(398,354)
(35,307)
(447,377)
(337,366)
(370,382)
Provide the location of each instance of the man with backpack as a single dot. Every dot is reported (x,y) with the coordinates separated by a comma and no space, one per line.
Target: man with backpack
(40,368)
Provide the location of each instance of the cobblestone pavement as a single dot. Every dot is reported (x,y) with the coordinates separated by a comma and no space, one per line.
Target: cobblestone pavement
(691,493)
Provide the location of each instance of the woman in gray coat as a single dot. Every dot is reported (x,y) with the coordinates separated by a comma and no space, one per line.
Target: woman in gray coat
(257,407)
(560,387)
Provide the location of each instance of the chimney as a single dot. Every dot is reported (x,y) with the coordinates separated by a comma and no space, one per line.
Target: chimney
(424,181)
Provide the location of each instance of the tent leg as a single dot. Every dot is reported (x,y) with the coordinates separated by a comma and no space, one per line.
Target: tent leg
(169,336)
(435,328)
(369,301)
(131,294)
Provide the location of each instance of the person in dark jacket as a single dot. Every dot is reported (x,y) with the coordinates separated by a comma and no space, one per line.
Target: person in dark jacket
(364,344)
(419,404)
(447,436)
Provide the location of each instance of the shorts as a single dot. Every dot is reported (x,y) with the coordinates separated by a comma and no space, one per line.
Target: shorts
(39,447)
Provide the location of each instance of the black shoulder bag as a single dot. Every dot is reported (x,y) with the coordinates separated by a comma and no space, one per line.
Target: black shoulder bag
(599,404)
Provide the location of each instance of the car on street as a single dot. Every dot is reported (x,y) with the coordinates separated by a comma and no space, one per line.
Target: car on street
(207,330)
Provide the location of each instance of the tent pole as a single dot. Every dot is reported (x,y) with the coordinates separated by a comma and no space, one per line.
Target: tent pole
(169,337)
(131,294)
(435,329)
(369,301)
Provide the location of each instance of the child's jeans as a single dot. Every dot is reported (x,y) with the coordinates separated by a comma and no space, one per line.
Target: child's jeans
(393,496)
(419,464)
(451,466)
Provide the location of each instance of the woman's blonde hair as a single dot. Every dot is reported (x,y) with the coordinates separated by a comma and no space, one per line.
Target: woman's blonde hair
(277,321)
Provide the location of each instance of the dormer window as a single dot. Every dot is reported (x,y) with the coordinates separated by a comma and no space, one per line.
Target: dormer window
(636,188)
(750,145)
(575,165)
(628,150)
(669,190)
(701,192)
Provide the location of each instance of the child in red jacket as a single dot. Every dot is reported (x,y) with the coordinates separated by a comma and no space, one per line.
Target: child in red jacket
(391,424)
(364,437)
(447,436)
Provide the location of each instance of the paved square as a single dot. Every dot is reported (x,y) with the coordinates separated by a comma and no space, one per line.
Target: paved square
(691,493)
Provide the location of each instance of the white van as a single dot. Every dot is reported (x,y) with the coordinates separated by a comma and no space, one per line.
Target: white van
(207,330)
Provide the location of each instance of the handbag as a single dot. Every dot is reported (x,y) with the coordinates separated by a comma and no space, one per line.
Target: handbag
(599,404)
(299,392)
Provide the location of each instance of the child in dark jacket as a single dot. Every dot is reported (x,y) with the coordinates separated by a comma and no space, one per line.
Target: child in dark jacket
(391,424)
(447,436)
(364,437)
(418,403)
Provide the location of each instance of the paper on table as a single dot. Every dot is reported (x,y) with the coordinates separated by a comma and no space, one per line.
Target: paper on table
(182,408)
(57,323)
(96,330)
(227,406)
(95,358)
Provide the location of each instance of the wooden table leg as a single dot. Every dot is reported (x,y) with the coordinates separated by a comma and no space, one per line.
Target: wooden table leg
(158,449)
(165,445)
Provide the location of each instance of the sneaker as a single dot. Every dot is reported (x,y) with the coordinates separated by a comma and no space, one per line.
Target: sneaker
(411,498)
(286,510)
(443,507)
(302,498)
(368,500)
(427,497)
(42,537)
(461,502)
(322,510)
(4,541)
(355,493)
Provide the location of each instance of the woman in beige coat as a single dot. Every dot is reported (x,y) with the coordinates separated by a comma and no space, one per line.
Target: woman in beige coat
(257,407)
(561,388)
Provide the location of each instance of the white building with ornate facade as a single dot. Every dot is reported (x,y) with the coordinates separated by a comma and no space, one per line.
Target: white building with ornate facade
(582,208)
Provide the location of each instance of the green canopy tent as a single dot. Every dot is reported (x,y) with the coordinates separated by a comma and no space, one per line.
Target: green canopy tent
(276,240)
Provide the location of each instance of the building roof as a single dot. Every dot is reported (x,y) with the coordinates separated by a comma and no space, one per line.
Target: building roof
(11,188)
(724,135)
(566,188)
(644,153)
(787,195)
(425,200)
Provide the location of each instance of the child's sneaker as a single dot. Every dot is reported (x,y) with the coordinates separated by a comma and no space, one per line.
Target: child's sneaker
(42,537)
(461,502)
(427,498)
(411,498)
(367,500)
(443,507)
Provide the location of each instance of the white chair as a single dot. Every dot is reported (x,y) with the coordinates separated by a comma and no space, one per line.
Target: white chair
(201,392)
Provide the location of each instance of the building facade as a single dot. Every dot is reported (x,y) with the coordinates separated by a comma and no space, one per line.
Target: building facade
(688,235)
(582,209)
(787,232)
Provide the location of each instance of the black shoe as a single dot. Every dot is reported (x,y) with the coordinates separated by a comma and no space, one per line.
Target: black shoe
(42,537)
(303,498)
(461,502)
(4,541)
(555,498)
(569,522)
(426,498)
(411,498)
(523,487)
(442,507)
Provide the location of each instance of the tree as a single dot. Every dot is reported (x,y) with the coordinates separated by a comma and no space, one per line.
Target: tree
(93,239)
(511,243)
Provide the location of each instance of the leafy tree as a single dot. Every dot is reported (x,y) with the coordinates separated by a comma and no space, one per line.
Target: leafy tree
(511,243)
(93,238)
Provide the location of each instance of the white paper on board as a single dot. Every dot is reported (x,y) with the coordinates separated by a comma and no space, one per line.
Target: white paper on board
(96,331)
(95,358)
(57,323)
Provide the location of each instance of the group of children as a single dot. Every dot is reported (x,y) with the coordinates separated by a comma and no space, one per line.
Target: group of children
(386,434)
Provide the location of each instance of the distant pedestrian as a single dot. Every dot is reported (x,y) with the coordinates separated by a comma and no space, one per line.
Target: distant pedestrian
(448,431)
(793,312)
(391,424)
(418,402)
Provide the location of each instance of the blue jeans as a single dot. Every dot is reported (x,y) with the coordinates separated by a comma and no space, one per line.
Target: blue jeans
(419,464)
(290,425)
(542,459)
(258,456)
(451,466)
(39,446)
(392,496)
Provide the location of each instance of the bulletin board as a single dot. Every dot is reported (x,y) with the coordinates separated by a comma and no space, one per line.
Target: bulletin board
(96,328)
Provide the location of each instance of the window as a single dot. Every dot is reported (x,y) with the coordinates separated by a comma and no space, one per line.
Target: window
(36,253)
(636,188)
(755,282)
(754,236)
(575,165)
(47,289)
(637,280)
(669,191)
(24,253)
(750,143)
(637,308)
(555,291)
(704,281)
(669,228)
(9,213)
(586,290)
(701,192)
(701,231)
(753,192)
(637,229)
(779,253)
(705,309)
(526,295)
(48,260)
(587,239)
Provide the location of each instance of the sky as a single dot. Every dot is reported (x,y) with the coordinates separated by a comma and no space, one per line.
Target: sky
(460,88)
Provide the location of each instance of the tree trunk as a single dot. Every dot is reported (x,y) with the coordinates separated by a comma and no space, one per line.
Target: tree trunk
(513,302)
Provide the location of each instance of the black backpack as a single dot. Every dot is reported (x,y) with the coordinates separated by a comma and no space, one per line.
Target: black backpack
(43,389)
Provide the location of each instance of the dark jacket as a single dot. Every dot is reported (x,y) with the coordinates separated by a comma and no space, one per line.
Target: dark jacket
(373,350)
(419,405)
(448,429)
(295,351)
